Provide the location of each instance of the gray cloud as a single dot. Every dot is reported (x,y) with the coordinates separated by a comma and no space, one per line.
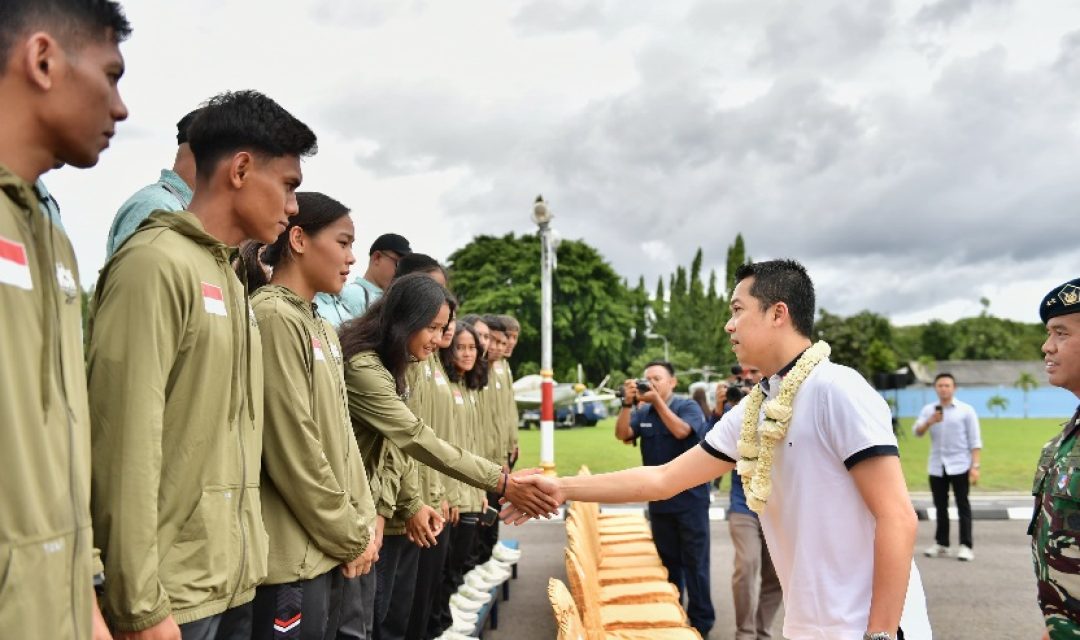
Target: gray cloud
(922,195)
(946,12)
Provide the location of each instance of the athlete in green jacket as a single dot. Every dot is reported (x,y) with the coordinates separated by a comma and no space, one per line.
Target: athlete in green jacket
(59,68)
(175,380)
(315,496)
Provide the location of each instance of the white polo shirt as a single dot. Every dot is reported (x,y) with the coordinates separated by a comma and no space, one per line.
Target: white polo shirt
(952,439)
(819,531)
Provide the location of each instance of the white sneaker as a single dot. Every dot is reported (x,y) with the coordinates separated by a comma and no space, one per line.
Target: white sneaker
(492,574)
(463,603)
(498,565)
(479,582)
(505,554)
(965,553)
(450,634)
(936,551)
(473,593)
(463,616)
(464,628)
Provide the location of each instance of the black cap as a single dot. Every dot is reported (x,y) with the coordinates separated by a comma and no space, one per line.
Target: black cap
(391,242)
(182,126)
(1062,300)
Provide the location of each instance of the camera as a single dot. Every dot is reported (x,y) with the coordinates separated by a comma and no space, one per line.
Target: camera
(642,388)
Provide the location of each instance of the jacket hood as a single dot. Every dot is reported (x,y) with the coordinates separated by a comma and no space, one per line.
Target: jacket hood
(278,292)
(186,224)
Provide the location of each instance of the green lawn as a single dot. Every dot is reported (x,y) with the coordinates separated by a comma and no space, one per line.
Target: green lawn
(1010,450)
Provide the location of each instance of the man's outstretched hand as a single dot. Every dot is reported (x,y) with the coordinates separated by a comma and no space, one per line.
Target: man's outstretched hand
(530,494)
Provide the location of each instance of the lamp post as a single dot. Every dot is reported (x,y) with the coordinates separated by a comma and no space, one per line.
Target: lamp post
(657,336)
(542,217)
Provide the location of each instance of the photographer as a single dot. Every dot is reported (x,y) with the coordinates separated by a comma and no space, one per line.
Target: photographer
(955,448)
(668,427)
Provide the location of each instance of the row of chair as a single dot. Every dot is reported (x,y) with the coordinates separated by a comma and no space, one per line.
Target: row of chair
(618,586)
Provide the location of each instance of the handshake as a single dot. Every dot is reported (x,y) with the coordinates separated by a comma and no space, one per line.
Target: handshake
(530,494)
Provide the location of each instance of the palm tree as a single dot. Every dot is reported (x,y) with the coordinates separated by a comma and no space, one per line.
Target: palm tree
(1026,382)
(997,404)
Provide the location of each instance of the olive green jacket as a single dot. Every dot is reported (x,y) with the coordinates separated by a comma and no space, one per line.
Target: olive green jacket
(316,501)
(508,412)
(175,381)
(437,410)
(467,435)
(379,416)
(46,564)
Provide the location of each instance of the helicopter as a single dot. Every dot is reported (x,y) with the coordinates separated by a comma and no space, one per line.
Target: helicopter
(575,403)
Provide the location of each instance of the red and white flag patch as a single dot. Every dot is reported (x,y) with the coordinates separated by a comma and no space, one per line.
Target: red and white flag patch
(316,348)
(457,397)
(14,267)
(213,300)
(439,379)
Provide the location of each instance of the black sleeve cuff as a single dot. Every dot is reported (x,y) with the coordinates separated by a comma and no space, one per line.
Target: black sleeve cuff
(871,452)
(714,452)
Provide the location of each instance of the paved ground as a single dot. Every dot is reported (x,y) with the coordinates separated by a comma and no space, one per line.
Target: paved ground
(989,599)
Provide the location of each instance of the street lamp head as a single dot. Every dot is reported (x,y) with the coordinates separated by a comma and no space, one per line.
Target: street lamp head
(541,215)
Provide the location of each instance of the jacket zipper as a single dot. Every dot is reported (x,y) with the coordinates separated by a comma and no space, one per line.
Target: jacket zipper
(243,322)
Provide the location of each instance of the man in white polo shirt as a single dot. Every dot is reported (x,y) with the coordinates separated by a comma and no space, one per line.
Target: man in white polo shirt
(955,444)
(838,519)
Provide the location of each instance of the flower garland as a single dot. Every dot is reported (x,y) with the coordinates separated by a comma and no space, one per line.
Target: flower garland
(757,441)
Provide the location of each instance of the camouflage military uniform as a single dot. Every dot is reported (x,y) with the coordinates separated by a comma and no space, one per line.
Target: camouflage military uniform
(1055,532)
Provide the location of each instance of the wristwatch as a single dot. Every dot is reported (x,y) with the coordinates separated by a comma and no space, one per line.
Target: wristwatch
(877,635)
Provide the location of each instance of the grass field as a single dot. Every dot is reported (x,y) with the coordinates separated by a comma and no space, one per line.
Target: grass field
(1010,450)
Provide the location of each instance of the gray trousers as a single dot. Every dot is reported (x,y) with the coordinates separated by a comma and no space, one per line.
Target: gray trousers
(754,584)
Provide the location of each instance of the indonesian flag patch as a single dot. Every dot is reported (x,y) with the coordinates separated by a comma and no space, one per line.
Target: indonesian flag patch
(213,300)
(14,268)
(316,348)
(439,379)
(457,397)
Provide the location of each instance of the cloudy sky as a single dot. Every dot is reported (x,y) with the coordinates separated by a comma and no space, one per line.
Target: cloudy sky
(915,155)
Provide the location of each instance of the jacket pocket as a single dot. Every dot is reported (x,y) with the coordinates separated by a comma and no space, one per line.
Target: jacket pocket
(202,561)
(35,589)
(257,541)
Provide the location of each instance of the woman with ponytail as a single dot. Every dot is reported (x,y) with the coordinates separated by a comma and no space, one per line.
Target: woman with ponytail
(316,499)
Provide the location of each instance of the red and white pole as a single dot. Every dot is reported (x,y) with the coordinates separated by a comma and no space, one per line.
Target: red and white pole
(542,217)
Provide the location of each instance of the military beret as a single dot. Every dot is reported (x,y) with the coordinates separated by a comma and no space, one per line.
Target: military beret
(1062,300)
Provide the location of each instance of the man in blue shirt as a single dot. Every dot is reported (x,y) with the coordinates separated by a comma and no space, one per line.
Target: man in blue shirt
(668,427)
(172,191)
(955,448)
(362,292)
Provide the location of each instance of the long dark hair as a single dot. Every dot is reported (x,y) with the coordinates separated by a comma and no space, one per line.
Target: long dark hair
(409,305)
(317,211)
(477,378)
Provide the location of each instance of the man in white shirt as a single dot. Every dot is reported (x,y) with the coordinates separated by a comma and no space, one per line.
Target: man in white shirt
(955,443)
(839,522)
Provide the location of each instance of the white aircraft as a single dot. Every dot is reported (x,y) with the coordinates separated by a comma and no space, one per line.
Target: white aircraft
(575,404)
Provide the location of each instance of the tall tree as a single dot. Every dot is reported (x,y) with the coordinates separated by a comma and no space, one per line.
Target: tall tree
(736,257)
(592,316)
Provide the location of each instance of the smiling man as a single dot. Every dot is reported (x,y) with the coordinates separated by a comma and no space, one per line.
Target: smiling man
(175,378)
(1055,542)
(831,495)
(60,64)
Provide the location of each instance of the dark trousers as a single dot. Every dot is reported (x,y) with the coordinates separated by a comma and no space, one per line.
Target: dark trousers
(939,486)
(395,579)
(326,607)
(234,624)
(682,540)
(486,538)
(462,536)
(429,571)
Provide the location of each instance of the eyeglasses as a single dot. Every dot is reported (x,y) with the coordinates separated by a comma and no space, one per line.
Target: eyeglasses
(390,256)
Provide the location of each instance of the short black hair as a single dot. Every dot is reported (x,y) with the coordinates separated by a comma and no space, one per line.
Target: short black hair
(945,375)
(246,121)
(510,323)
(782,281)
(183,124)
(494,322)
(417,263)
(660,363)
(87,19)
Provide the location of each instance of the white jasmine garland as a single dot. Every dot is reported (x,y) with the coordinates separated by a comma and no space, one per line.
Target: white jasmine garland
(757,440)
